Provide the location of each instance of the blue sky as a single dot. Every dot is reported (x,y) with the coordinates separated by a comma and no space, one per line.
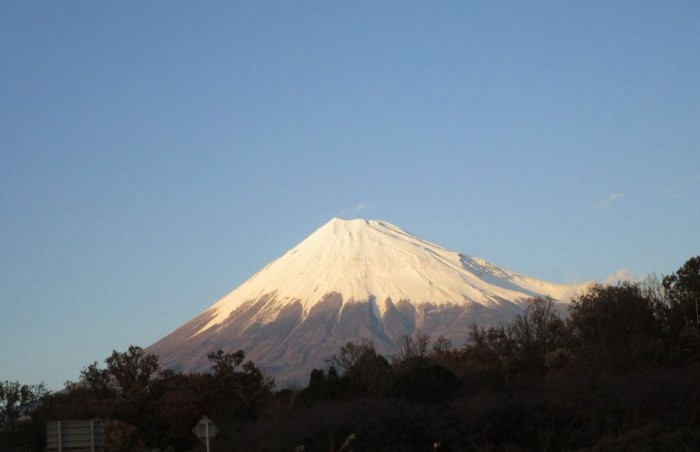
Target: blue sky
(155,155)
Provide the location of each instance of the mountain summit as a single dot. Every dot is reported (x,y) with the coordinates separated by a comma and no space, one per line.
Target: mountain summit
(351,279)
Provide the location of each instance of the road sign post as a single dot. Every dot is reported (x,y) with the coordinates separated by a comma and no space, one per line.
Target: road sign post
(205,429)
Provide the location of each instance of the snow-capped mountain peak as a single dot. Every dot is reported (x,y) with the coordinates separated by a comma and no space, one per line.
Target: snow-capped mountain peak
(374,260)
(349,280)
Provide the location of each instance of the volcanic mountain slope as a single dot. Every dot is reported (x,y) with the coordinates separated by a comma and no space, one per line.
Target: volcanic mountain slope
(351,279)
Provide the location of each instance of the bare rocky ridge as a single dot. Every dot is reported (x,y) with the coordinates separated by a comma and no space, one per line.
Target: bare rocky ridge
(347,281)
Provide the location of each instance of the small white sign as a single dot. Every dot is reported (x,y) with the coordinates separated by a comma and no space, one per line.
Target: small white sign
(205,428)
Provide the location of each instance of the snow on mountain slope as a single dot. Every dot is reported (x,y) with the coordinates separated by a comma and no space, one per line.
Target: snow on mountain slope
(351,280)
(373,260)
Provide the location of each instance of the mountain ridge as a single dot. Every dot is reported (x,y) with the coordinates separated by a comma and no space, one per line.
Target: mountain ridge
(352,279)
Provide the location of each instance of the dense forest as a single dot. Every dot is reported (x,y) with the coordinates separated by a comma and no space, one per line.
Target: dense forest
(619,371)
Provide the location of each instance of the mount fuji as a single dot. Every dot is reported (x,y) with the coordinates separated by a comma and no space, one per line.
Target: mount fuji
(349,280)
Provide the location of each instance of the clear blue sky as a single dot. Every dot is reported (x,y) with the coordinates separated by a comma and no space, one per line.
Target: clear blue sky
(155,155)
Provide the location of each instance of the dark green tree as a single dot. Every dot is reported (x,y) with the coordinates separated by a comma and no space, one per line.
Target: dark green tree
(410,347)
(126,372)
(225,363)
(322,387)
(535,333)
(368,372)
(20,421)
(234,396)
(683,291)
(487,360)
(121,393)
(614,328)
(133,370)
(17,399)
(421,379)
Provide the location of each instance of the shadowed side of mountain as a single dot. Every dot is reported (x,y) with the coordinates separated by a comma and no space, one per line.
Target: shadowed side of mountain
(348,281)
(289,346)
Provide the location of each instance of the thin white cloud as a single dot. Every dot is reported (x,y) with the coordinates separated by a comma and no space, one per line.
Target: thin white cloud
(681,184)
(358,207)
(605,203)
(361,206)
(676,188)
(621,275)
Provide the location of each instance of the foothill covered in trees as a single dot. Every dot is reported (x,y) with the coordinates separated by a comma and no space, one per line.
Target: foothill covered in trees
(618,371)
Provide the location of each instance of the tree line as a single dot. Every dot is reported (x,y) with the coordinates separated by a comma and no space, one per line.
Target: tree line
(619,371)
